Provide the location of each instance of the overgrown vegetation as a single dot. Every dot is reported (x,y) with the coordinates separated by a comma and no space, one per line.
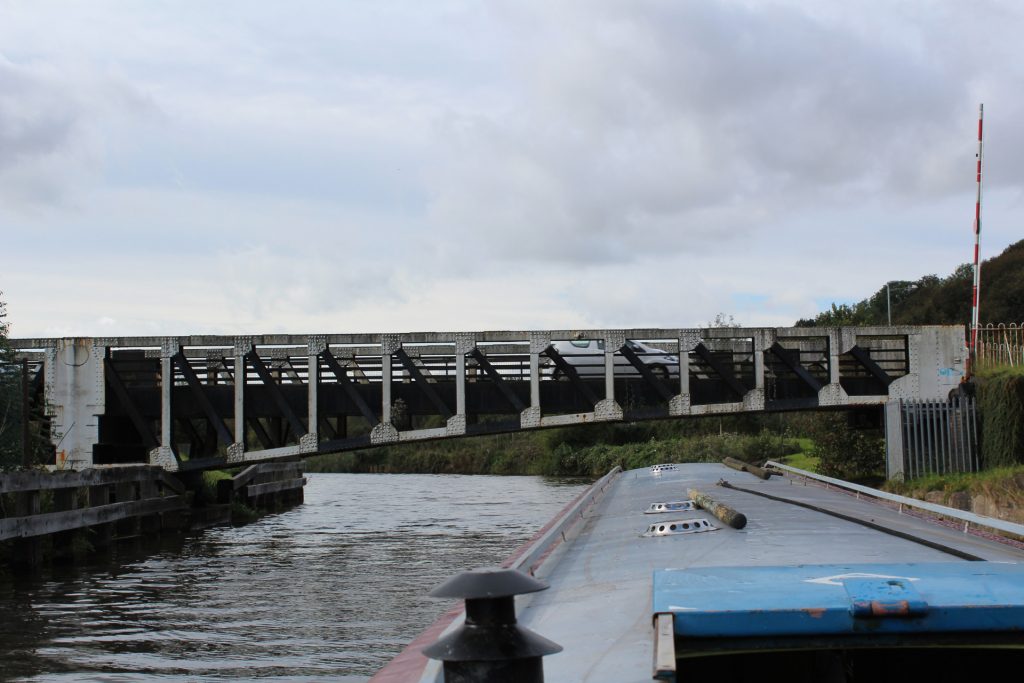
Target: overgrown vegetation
(207,491)
(845,452)
(13,453)
(1001,406)
(598,459)
(1004,479)
(10,399)
(588,451)
(996,492)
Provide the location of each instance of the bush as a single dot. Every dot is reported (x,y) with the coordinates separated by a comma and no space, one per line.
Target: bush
(1001,404)
(844,452)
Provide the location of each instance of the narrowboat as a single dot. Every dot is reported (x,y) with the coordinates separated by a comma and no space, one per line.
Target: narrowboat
(701,571)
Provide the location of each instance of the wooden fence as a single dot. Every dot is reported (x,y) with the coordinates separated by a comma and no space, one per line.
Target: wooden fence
(265,485)
(37,503)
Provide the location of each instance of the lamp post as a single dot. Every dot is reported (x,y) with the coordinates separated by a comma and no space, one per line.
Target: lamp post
(888,303)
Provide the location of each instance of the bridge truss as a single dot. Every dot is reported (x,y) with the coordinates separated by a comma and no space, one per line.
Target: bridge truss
(196,402)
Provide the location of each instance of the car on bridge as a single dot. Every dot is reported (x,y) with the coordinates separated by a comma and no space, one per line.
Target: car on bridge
(586,356)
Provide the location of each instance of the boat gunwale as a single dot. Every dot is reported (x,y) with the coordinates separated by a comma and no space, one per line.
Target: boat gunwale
(411,662)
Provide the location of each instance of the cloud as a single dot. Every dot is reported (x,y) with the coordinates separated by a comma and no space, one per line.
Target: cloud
(243,167)
(686,126)
(51,142)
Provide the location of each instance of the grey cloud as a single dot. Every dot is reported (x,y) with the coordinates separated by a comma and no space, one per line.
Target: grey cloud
(49,128)
(34,120)
(660,126)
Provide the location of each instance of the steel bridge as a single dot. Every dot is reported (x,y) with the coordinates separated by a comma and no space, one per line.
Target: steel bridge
(197,402)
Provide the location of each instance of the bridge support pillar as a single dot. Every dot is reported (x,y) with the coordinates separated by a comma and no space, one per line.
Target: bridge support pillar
(688,341)
(762,340)
(76,397)
(385,432)
(609,408)
(539,342)
(834,351)
(242,346)
(314,347)
(163,455)
(464,343)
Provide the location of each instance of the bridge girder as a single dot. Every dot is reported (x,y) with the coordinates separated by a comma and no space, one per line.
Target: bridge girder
(203,401)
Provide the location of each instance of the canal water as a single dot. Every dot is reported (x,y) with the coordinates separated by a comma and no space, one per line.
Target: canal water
(331,589)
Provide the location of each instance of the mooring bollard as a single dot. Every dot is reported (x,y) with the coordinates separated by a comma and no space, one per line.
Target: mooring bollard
(490,645)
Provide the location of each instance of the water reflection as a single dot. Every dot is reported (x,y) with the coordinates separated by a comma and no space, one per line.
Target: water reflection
(332,588)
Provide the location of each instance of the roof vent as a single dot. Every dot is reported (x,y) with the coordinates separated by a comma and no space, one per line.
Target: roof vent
(680,526)
(670,506)
(659,469)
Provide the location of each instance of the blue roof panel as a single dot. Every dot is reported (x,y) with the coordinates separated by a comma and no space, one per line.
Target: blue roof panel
(839,599)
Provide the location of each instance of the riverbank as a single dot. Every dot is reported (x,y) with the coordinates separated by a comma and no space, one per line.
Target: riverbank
(998,492)
(67,516)
(561,452)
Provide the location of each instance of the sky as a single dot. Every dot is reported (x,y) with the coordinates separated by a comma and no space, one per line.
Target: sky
(331,166)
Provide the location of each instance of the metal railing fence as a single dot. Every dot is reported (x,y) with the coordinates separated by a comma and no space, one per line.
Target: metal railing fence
(939,437)
(1000,344)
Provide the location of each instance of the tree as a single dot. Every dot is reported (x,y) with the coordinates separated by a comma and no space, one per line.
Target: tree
(724,320)
(934,300)
(10,398)
(839,316)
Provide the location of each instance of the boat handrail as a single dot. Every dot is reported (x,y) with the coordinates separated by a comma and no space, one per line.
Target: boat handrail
(527,559)
(968,518)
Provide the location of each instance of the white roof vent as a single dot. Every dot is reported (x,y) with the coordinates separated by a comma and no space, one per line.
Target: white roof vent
(680,526)
(670,506)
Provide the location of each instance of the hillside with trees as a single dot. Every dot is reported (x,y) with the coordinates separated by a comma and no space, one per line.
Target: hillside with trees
(934,300)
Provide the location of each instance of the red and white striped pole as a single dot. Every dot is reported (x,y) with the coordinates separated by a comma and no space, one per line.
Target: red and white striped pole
(977,243)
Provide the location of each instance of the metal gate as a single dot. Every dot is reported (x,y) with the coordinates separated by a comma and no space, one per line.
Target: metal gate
(937,437)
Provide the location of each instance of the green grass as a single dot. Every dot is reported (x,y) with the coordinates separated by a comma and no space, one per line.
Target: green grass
(801,461)
(802,458)
(993,371)
(208,492)
(1009,479)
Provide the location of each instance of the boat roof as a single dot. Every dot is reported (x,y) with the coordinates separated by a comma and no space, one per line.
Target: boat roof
(599,606)
(807,556)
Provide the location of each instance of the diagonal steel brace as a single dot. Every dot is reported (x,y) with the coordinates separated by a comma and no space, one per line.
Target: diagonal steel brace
(780,352)
(297,426)
(421,382)
(499,381)
(348,386)
(734,384)
(645,372)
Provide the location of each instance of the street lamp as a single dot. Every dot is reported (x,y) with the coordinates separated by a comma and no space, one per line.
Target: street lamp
(888,303)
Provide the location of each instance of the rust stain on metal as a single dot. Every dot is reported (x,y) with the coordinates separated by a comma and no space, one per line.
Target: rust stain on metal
(900,608)
(814,612)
